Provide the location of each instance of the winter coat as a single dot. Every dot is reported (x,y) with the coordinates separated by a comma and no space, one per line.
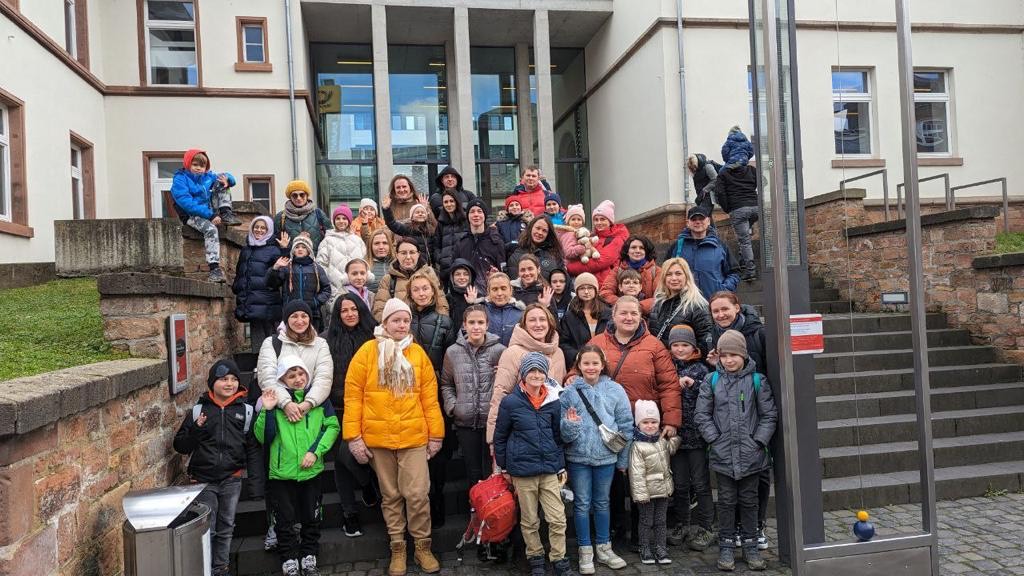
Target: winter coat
(502,320)
(689,434)
(463,195)
(366,295)
(647,373)
(532,200)
(736,188)
(334,253)
(648,283)
(583,444)
(395,284)
(507,376)
(378,416)
(424,236)
(557,219)
(528,441)
(650,468)
(664,316)
(511,227)
(316,356)
(379,268)
(549,261)
(254,298)
(434,332)
(609,245)
(316,224)
(737,148)
(737,422)
(289,442)
(749,324)
(713,265)
(221,447)
(704,182)
(574,332)
(192,193)
(571,248)
(483,251)
(447,235)
(301,280)
(527,294)
(467,380)
(455,295)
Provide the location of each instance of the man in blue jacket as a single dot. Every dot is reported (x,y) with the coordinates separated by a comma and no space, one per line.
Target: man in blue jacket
(713,266)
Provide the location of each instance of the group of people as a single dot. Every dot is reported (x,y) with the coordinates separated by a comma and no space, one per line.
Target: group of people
(565,358)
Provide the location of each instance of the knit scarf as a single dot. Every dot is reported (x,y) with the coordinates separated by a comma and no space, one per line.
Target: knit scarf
(298,213)
(396,373)
(635,264)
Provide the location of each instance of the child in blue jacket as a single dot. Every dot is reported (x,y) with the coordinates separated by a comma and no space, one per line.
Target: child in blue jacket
(202,199)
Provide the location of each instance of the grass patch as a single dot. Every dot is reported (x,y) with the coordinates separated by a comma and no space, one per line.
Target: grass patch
(51,326)
(1007,242)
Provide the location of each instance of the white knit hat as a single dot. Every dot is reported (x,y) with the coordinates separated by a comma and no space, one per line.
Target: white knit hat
(394,305)
(646,409)
(368,202)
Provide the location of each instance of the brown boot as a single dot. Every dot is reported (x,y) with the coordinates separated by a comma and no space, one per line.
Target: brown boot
(397,566)
(425,558)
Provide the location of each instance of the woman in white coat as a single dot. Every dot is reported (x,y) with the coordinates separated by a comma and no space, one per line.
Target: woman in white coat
(337,248)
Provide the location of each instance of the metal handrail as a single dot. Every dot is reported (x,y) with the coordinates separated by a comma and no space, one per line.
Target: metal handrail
(899,192)
(1006,198)
(885,186)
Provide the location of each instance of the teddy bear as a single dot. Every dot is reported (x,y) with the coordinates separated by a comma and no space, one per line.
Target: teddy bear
(588,242)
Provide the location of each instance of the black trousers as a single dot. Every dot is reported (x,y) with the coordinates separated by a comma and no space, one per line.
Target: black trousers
(476,453)
(764,491)
(690,471)
(438,469)
(619,493)
(737,496)
(296,502)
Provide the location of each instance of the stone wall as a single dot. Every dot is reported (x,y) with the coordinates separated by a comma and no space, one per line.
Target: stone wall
(27,274)
(91,247)
(997,314)
(876,209)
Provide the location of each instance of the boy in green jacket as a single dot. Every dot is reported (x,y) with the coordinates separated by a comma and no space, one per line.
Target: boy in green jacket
(295,458)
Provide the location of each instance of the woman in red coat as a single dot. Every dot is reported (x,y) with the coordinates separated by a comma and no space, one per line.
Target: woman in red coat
(611,238)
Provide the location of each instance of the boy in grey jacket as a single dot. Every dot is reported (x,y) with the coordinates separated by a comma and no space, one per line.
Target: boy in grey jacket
(736,415)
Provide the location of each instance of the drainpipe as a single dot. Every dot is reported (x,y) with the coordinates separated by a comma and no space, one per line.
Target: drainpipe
(291,88)
(682,99)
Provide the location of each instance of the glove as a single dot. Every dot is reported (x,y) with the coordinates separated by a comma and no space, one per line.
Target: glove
(359,451)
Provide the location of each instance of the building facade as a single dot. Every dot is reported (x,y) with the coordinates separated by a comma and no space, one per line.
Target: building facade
(98,99)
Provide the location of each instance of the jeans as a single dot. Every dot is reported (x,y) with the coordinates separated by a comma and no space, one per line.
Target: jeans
(742,222)
(733,494)
(297,502)
(347,475)
(690,470)
(222,498)
(652,523)
(592,486)
(475,452)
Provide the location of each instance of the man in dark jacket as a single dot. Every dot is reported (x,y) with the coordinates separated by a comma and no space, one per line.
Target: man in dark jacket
(449,179)
(713,266)
(736,192)
(482,246)
(704,173)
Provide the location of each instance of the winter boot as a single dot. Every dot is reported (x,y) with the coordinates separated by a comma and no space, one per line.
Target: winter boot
(587,560)
(700,539)
(608,557)
(563,568)
(537,567)
(678,535)
(425,558)
(228,218)
(309,566)
(753,556)
(216,275)
(398,561)
(726,555)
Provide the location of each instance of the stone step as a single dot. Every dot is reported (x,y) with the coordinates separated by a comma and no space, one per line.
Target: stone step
(903,379)
(753,297)
(899,340)
(858,322)
(832,307)
(903,456)
(903,427)
(904,401)
(872,490)
(833,363)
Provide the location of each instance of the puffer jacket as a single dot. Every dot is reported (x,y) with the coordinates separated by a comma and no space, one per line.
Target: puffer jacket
(317,358)
(737,148)
(254,299)
(573,333)
(571,248)
(664,316)
(647,373)
(507,376)
(528,441)
(511,227)
(378,268)
(483,251)
(737,422)
(316,224)
(713,265)
(532,200)
(304,280)
(395,284)
(502,320)
(434,332)
(527,294)
(449,232)
(220,447)
(749,324)
(382,419)
(289,442)
(583,444)
(549,261)
(609,245)
(648,283)
(334,253)
(736,188)
(689,434)
(467,380)
(650,470)
(192,192)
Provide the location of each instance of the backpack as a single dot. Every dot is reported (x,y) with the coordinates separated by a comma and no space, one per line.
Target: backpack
(493,514)
(757,381)
(249,411)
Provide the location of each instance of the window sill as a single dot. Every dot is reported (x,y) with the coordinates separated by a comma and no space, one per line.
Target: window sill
(254,67)
(16,229)
(939,161)
(858,163)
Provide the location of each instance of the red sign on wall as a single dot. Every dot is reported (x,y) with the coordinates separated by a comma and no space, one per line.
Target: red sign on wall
(177,352)
(806,333)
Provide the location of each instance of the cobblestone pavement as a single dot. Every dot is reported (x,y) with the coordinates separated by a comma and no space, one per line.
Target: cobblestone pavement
(977,536)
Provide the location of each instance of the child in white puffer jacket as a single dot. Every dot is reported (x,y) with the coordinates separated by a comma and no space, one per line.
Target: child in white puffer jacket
(337,248)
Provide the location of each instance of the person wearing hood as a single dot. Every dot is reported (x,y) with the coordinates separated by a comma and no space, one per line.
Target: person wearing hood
(611,238)
(460,290)
(562,289)
(539,239)
(255,301)
(217,436)
(482,246)
(704,172)
(338,247)
(301,278)
(202,199)
(713,266)
(736,150)
(512,221)
(452,225)
(449,179)
(395,283)
(301,216)
(531,191)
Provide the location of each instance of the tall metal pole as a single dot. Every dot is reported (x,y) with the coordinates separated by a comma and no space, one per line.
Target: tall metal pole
(919,334)
(291,88)
(682,101)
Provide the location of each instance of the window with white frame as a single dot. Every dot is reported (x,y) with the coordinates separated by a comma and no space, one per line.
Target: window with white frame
(171,43)
(931,106)
(260,191)
(851,111)
(70,31)
(5,164)
(161,174)
(77,185)
(253,43)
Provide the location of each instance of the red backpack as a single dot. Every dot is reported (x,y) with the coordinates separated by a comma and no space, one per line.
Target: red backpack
(493,512)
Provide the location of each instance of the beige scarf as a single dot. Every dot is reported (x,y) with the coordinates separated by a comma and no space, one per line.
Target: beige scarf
(396,373)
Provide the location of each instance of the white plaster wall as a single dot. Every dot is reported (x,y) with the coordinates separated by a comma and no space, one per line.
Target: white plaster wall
(47,15)
(219,37)
(116,60)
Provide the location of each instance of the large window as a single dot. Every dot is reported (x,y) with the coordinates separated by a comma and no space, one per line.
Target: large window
(851,109)
(171,43)
(572,158)
(252,48)
(5,164)
(495,122)
(13,182)
(931,106)
(418,86)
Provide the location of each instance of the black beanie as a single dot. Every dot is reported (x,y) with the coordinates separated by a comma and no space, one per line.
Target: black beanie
(220,369)
(296,306)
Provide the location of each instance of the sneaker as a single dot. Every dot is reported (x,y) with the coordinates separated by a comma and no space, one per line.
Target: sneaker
(678,535)
(217,276)
(647,555)
(726,556)
(290,568)
(762,539)
(701,539)
(661,555)
(270,542)
(351,525)
(563,568)
(309,566)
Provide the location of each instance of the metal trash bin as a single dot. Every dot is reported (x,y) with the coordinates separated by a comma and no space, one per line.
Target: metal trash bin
(166,533)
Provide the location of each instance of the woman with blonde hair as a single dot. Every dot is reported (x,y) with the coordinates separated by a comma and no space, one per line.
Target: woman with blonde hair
(677,300)
(380,253)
